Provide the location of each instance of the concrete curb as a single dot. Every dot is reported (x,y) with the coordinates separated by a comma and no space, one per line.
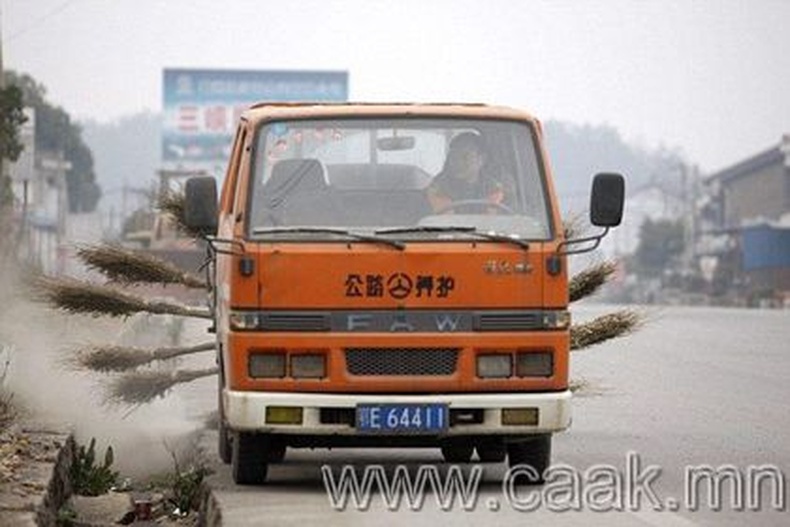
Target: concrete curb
(210,514)
(43,484)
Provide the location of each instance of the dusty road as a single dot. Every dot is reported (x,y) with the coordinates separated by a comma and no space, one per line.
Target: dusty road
(694,388)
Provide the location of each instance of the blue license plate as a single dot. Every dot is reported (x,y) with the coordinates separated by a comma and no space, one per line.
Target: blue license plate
(402,418)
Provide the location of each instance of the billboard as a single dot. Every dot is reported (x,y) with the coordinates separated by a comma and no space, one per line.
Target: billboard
(201,106)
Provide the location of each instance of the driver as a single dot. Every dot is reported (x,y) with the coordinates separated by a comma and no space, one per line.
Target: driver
(463,177)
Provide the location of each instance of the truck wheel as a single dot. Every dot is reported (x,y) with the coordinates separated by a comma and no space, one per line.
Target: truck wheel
(225,448)
(457,453)
(276,452)
(534,452)
(248,463)
(492,452)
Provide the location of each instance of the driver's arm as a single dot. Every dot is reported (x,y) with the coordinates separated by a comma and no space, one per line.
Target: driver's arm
(496,193)
(438,199)
(441,202)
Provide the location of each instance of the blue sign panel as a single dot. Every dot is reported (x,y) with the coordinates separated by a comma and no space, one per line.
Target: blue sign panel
(201,107)
(765,246)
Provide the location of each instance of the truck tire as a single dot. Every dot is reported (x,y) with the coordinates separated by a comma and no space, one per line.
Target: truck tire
(248,463)
(492,452)
(459,453)
(224,446)
(276,452)
(534,452)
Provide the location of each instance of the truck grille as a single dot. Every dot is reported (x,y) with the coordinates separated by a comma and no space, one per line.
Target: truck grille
(508,321)
(297,321)
(401,361)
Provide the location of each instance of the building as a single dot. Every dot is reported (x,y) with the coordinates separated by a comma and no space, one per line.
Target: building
(750,211)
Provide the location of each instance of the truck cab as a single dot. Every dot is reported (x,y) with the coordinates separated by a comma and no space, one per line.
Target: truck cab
(360,301)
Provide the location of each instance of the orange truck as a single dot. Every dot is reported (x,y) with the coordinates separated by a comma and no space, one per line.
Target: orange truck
(370,289)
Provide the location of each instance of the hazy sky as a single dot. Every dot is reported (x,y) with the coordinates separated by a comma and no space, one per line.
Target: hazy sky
(711,77)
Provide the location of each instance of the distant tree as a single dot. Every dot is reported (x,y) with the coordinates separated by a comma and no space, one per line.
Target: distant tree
(111,141)
(55,133)
(579,151)
(660,244)
(6,193)
(11,118)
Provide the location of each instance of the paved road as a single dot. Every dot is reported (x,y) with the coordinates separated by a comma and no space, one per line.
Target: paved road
(694,387)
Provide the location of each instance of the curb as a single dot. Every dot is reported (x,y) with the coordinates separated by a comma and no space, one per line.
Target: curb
(210,514)
(42,483)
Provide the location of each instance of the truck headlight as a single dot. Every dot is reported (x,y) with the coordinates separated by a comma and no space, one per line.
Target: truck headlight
(556,319)
(535,364)
(494,366)
(309,366)
(244,320)
(266,365)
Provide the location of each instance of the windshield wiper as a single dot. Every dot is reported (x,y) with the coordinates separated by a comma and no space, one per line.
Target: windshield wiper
(493,236)
(370,238)
(428,228)
(504,238)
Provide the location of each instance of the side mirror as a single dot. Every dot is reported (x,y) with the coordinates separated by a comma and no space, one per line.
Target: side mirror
(606,210)
(606,200)
(200,204)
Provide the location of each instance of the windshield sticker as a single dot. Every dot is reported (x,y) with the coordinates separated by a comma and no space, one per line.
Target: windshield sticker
(279,129)
(398,286)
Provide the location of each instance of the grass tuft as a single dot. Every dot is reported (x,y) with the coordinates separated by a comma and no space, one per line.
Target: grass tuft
(590,280)
(78,297)
(122,358)
(142,387)
(128,267)
(603,328)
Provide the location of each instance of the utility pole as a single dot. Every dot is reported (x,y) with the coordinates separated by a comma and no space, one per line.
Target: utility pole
(2,71)
(4,177)
(689,187)
(3,163)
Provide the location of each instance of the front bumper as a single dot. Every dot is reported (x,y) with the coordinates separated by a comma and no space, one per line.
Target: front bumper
(246,411)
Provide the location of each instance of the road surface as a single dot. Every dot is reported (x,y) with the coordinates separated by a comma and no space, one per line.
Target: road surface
(695,388)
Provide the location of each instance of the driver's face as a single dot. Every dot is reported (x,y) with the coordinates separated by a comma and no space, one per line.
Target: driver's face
(472,160)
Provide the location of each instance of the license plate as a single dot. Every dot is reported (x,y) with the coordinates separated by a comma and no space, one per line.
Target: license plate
(402,418)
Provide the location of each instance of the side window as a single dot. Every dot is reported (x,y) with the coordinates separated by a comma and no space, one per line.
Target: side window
(238,196)
(227,198)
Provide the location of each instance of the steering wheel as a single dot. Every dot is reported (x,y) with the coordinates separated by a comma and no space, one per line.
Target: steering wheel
(482,204)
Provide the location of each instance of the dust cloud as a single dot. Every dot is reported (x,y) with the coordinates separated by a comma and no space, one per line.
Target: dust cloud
(38,340)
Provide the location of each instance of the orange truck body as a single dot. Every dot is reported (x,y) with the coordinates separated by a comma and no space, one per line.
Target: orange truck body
(393,329)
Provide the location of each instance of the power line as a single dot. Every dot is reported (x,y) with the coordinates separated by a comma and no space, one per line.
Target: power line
(40,20)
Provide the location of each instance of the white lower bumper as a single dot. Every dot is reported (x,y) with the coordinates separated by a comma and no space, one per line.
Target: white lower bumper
(247,411)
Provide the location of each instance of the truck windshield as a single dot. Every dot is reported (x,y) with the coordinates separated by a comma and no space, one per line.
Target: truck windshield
(368,175)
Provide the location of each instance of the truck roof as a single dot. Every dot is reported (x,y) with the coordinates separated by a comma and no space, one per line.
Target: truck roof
(265,111)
